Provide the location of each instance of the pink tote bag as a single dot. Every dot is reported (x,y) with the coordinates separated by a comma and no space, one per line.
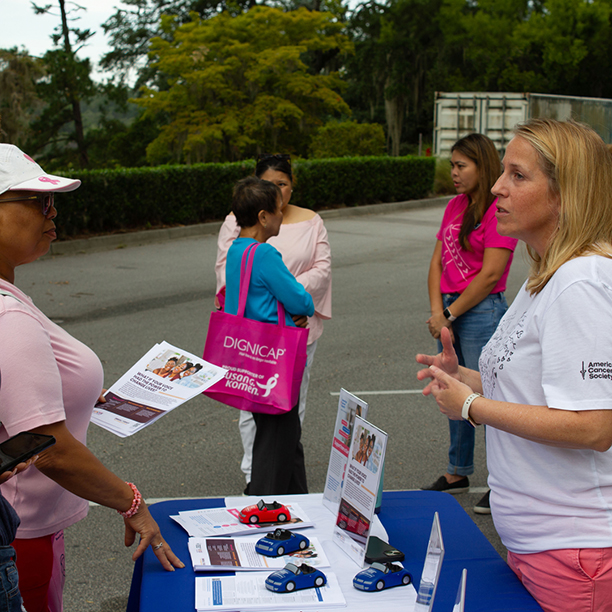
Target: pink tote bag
(265,362)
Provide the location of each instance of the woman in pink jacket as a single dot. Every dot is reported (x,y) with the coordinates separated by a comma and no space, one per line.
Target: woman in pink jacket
(303,244)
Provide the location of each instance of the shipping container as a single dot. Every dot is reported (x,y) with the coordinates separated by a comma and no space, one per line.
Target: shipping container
(495,115)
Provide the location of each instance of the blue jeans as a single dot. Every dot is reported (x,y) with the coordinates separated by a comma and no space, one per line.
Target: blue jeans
(472,330)
(10,598)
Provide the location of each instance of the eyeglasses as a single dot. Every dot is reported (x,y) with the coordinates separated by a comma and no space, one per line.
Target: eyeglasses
(277,156)
(46,201)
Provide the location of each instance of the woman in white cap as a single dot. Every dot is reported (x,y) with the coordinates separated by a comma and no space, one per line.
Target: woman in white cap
(58,401)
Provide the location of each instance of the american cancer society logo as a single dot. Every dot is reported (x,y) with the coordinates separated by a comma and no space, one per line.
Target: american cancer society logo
(592,370)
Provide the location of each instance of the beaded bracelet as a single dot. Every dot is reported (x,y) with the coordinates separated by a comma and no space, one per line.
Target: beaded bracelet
(135,503)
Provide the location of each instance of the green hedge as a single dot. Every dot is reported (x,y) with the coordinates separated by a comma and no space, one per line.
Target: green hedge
(112,200)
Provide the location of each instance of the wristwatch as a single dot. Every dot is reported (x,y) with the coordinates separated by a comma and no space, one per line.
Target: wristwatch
(447,314)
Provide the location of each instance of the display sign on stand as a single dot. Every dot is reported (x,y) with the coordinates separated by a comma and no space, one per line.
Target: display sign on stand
(349,406)
(359,489)
(460,601)
(431,568)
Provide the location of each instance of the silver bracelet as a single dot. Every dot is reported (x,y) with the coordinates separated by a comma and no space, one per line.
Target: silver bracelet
(465,411)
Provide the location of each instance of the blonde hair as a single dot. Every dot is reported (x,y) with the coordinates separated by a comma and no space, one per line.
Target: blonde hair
(578,166)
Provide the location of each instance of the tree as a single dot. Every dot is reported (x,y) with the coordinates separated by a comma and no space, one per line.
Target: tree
(348,139)
(396,49)
(69,79)
(19,103)
(238,85)
(130,31)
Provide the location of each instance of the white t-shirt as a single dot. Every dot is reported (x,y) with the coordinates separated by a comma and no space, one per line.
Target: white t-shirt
(553,349)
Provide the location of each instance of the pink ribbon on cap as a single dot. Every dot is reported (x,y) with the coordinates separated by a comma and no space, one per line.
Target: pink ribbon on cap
(46,179)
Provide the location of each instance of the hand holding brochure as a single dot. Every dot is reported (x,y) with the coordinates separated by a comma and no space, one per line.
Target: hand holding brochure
(163,379)
(213,554)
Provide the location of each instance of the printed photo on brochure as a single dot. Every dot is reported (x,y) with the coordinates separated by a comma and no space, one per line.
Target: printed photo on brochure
(163,379)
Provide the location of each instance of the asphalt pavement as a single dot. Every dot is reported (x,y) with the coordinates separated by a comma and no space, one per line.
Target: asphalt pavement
(121,295)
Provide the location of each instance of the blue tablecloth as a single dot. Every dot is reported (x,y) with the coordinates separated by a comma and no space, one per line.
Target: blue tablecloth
(407,517)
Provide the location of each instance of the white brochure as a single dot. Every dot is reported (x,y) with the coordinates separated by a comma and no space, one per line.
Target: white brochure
(359,490)
(247,591)
(212,554)
(212,522)
(163,379)
(349,406)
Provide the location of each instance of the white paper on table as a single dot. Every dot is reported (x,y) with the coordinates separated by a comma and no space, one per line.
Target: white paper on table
(247,591)
(349,406)
(236,554)
(399,598)
(213,522)
(140,396)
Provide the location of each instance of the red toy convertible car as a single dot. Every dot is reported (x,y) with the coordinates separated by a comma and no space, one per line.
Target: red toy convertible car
(264,513)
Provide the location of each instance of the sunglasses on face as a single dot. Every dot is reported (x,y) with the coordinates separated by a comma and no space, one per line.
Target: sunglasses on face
(46,201)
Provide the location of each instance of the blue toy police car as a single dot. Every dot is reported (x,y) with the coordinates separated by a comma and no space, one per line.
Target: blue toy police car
(381,576)
(281,542)
(293,578)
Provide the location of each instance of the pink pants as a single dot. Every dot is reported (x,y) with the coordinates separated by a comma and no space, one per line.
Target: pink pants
(567,580)
(42,572)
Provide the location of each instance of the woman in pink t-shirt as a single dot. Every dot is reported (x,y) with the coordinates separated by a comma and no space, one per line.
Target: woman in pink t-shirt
(58,401)
(467,280)
(303,244)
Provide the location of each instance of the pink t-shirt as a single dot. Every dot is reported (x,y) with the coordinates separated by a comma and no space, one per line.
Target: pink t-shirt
(459,267)
(47,376)
(305,251)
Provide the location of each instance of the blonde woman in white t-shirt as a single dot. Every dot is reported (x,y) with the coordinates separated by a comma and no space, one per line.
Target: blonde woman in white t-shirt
(545,384)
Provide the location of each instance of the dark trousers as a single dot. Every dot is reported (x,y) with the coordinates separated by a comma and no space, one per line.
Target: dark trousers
(278,455)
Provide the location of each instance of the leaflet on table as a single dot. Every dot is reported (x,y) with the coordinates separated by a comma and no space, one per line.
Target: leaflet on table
(164,378)
(247,591)
(359,489)
(212,522)
(349,406)
(211,554)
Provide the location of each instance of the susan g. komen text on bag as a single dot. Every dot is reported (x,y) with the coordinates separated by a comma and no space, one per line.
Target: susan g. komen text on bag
(265,362)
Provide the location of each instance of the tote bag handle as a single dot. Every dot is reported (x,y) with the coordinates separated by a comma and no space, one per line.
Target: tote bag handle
(246,267)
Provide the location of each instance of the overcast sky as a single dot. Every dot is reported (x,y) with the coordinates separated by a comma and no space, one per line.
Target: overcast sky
(21,27)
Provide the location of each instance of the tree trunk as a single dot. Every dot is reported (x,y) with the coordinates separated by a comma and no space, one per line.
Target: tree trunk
(394,112)
(72,94)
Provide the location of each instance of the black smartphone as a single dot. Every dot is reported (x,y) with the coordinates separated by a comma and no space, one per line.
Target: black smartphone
(381,551)
(21,447)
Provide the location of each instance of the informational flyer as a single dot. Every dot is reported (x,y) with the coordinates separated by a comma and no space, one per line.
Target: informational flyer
(163,379)
(349,406)
(213,554)
(214,522)
(359,490)
(247,591)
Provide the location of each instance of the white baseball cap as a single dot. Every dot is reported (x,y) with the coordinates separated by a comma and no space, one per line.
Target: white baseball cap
(19,172)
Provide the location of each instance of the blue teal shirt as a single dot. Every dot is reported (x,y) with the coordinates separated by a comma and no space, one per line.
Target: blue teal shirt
(270,281)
